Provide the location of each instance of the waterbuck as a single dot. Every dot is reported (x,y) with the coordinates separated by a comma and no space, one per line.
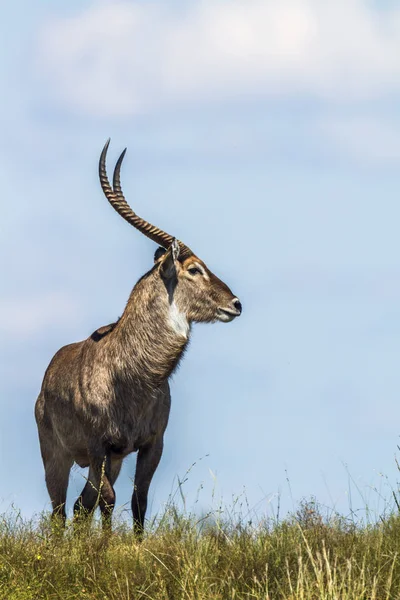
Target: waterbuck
(108,396)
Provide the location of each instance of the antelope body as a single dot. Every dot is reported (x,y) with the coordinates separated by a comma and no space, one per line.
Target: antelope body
(108,396)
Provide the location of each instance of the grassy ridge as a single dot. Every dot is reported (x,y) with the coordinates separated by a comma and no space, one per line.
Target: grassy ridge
(305,556)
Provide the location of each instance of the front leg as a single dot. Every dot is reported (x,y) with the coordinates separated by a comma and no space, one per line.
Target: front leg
(147,462)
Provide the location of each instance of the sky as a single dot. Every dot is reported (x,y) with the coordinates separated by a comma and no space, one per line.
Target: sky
(264,135)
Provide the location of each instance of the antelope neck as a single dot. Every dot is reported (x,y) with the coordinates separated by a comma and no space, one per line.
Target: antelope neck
(152,331)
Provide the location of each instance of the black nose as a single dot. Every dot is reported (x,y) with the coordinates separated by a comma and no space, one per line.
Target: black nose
(238,305)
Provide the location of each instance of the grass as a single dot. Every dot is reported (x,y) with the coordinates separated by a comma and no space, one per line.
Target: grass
(305,556)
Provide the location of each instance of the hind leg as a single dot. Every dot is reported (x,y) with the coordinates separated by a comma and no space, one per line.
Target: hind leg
(107,508)
(99,489)
(57,465)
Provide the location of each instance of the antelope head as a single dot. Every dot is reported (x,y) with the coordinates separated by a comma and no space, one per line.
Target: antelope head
(194,292)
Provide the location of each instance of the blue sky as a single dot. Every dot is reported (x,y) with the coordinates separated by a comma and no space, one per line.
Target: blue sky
(267,137)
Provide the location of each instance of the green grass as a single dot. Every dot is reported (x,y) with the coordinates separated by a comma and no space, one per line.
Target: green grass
(306,556)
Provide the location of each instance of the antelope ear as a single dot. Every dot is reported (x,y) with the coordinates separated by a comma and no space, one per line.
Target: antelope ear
(158,254)
(169,261)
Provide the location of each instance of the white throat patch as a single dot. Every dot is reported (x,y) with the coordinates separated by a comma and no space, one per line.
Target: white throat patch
(178,321)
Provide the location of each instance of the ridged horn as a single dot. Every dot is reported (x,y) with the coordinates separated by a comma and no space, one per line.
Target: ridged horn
(116,198)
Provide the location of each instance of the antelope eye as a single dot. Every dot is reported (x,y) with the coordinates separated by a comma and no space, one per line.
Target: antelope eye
(194,271)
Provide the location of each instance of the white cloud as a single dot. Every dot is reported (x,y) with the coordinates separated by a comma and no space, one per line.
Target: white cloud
(122,58)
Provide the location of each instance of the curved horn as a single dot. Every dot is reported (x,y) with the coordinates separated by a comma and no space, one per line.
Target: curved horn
(117,200)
